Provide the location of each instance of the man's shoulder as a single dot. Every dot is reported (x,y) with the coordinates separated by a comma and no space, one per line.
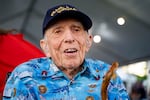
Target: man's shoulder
(32,65)
(97,65)
(36,62)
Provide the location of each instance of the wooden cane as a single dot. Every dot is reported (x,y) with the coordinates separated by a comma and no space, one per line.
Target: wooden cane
(106,80)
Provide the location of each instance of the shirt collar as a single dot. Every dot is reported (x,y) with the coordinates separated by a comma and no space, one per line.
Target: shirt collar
(87,68)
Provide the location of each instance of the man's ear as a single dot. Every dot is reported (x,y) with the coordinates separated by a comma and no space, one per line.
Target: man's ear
(89,42)
(45,48)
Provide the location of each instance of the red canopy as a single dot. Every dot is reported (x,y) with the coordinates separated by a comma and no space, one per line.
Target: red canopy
(13,51)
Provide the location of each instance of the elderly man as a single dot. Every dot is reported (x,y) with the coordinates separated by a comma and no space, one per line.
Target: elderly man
(65,73)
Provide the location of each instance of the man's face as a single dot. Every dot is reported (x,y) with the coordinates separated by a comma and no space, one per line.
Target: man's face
(66,43)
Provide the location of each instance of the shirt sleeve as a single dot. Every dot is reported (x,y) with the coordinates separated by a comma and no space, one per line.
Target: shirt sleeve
(16,87)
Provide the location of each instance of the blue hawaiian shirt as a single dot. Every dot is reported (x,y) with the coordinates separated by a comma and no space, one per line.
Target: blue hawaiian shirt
(40,79)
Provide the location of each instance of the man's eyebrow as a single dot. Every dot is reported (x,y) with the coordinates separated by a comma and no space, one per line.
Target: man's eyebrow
(77,25)
(56,27)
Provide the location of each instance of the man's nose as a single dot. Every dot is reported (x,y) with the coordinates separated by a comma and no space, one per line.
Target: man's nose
(69,37)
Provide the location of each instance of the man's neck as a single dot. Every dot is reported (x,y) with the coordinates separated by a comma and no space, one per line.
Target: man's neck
(72,72)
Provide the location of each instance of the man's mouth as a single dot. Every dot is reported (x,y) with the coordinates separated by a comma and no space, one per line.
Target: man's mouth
(70,50)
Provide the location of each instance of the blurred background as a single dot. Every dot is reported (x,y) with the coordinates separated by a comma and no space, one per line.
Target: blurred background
(121,31)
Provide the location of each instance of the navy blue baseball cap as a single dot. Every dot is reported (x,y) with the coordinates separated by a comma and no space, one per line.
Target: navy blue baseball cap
(65,11)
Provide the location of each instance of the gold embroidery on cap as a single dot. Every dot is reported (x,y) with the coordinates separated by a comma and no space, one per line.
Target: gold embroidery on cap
(60,9)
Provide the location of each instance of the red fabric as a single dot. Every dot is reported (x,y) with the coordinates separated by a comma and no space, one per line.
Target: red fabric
(13,51)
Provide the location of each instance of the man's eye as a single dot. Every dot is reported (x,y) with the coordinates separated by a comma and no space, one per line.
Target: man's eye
(76,29)
(58,31)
